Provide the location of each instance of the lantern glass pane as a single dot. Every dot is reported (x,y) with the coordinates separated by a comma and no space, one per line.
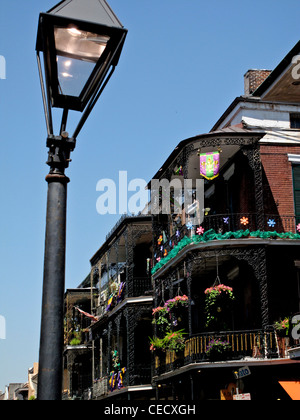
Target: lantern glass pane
(73,75)
(77,54)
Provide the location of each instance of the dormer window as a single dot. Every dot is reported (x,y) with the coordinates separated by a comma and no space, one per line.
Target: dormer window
(295,120)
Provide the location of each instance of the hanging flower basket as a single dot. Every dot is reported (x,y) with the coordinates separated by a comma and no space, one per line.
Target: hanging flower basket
(162,314)
(218,301)
(178,301)
(177,307)
(162,318)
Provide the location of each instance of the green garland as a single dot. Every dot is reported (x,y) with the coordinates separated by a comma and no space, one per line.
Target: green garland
(211,235)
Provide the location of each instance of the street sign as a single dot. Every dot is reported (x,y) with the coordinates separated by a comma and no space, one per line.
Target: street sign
(242,397)
(241,373)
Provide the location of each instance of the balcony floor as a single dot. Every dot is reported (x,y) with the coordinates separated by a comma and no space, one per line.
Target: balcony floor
(248,361)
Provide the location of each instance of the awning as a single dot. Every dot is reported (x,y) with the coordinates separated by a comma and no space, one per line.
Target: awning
(292,388)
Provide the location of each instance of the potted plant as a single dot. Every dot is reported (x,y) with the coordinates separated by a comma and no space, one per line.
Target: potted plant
(282,328)
(175,341)
(168,340)
(217,349)
(77,338)
(162,318)
(157,344)
(177,301)
(176,307)
(217,302)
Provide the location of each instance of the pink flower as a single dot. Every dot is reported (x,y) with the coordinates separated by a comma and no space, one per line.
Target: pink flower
(200,230)
(158,309)
(298,227)
(220,288)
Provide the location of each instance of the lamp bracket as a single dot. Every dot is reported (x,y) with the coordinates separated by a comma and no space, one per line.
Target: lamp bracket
(60,149)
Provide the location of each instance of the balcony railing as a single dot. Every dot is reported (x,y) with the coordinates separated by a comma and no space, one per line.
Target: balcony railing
(141,376)
(100,388)
(223,223)
(254,344)
(138,286)
(141,286)
(257,344)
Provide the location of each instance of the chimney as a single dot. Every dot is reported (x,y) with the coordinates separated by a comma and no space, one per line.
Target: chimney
(253,79)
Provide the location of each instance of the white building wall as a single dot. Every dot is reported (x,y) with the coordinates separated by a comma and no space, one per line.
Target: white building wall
(271,117)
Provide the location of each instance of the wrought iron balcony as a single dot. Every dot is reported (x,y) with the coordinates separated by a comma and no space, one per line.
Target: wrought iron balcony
(224,347)
(137,286)
(141,376)
(223,224)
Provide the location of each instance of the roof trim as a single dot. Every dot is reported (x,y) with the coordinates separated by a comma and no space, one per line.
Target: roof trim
(231,107)
(283,65)
(127,220)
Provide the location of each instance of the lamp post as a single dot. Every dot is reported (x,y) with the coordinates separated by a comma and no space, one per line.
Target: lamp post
(81,42)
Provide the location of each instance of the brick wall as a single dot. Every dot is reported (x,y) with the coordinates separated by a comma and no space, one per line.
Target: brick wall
(253,79)
(278,178)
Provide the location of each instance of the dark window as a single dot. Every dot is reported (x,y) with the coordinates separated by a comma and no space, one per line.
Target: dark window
(295,120)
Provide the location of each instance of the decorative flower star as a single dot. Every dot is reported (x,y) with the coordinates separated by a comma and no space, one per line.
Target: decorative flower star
(178,233)
(160,239)
(189,225)
(271,223)
(200,230)
(244,221)
(179,171)
(298,228)
(206,211)
(158,259)
(226,220)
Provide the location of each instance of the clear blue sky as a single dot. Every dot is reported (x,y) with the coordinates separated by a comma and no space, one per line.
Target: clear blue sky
(182,65)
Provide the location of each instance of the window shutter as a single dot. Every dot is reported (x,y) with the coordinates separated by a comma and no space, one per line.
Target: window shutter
(296,177)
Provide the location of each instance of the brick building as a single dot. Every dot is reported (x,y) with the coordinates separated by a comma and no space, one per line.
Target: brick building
(247,238)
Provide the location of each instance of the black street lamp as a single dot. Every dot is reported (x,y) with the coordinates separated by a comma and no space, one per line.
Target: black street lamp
(81,42)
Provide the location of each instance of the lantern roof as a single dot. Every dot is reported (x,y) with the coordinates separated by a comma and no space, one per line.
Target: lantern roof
(96,11)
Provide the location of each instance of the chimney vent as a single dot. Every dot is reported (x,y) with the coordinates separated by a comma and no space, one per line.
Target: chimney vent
(253,79)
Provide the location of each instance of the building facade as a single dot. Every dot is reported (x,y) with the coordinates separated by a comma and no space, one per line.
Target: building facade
(114,355)
(239,267)
(202,301)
